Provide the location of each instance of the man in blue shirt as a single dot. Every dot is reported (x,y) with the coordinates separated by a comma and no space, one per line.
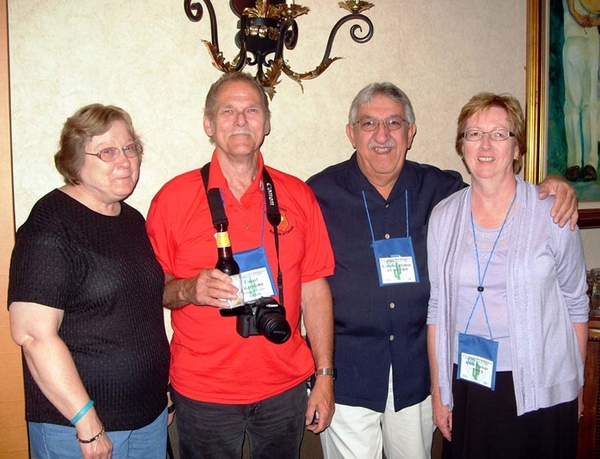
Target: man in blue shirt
(376,206)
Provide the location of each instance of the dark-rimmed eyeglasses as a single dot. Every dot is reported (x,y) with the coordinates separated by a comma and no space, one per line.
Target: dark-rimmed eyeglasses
(475,135)
(108,155)
(371,124)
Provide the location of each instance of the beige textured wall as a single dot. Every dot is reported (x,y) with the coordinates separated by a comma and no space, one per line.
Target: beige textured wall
(147,57)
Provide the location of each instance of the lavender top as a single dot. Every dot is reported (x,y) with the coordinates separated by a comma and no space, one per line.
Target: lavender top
(546,293)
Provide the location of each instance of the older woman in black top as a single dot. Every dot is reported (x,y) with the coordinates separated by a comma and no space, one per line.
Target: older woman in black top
(85,302)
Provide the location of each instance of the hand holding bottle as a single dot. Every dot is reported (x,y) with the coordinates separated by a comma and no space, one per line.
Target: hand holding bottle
(220,287)
(204,289)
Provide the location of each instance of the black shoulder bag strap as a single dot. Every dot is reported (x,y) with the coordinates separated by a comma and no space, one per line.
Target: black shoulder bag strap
(274,217)
(215,202)
(217,211)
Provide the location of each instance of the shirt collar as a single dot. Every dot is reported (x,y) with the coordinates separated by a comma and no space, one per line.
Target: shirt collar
(218,180)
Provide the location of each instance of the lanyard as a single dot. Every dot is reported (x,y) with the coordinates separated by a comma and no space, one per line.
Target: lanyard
(369,215)
(217,211)
(481,278)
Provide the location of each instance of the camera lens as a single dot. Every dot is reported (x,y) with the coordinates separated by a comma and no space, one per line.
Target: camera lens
(272,324)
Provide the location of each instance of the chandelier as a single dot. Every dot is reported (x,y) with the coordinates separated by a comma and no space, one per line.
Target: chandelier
(265,28)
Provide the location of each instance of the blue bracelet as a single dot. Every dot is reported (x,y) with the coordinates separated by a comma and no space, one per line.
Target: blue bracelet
(83,410)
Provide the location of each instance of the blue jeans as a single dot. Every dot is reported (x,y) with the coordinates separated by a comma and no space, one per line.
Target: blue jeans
(51,441)
(274,426)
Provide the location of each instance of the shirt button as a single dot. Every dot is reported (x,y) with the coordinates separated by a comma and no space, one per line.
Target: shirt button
(387,205)
(247,226)
(391,337)
(387,236)
(392,305)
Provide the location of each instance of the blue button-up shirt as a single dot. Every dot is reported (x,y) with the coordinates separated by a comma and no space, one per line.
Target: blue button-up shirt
(376,327)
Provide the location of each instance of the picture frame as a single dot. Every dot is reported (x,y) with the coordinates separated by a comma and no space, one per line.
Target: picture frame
(538,84)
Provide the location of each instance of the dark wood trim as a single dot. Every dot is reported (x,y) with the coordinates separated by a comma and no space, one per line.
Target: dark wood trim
(589,218)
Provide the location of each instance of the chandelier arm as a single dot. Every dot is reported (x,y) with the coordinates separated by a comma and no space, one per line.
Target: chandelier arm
(193,10)
(241,59)
(267,29)
(327,61)
(317,71)
(194,13)
(356,27)
(289,31)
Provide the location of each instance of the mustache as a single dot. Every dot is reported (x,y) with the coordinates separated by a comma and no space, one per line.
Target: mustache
(240,132)
(389,144)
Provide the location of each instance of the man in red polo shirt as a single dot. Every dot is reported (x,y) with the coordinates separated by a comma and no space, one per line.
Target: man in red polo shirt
(225,385)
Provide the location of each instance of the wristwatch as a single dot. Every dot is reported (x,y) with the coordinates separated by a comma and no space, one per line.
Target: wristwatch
(326,372)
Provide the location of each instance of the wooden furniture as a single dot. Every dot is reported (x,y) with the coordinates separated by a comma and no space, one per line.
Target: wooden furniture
(588,446)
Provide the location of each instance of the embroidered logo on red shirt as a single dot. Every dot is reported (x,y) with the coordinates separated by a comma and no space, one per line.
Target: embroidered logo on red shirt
(284,227)
(284,224)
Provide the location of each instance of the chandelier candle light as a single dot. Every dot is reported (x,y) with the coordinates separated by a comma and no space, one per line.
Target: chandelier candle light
(265,28)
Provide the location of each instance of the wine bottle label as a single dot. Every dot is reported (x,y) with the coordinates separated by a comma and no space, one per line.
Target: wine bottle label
(239,301)
(223,239)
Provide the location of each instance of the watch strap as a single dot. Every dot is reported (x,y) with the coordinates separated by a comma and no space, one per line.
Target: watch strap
(326,372)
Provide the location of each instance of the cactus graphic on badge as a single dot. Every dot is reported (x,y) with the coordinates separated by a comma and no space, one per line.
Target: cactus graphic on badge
(477,371)
(397,271)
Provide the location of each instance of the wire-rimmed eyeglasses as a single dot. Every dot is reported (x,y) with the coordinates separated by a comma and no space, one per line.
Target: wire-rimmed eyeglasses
(475,135)
(371,124)
(108,155)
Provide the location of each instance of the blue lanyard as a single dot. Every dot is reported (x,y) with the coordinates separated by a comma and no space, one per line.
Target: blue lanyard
(369,215)
(264,210)
(481,278)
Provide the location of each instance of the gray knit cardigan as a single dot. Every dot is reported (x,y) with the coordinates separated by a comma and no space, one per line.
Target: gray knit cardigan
(546,291)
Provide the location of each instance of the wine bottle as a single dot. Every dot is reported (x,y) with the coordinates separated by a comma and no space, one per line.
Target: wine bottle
(227,264)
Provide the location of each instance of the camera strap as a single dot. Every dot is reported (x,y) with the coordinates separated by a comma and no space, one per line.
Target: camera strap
(217,211)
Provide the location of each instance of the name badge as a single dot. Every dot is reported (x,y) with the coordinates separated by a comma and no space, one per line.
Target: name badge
(257,279)
(396,269)
(477,360)
(257,284)
(395,259)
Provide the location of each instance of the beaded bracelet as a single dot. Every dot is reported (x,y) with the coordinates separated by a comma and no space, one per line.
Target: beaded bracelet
(93,439)
(82,411)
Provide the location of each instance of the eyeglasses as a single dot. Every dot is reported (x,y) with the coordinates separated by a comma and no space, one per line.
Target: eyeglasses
(108,155)
(371,124)
(475,135)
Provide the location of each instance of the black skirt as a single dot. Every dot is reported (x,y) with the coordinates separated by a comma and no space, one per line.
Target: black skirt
(485,425)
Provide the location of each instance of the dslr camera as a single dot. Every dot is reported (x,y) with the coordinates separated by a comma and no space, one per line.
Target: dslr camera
(264,317)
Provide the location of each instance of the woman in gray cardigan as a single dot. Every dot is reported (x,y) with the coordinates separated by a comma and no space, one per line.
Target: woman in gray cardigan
(508,310)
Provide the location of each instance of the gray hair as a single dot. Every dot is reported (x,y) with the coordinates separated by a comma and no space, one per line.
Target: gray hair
(210,105)
(390,90)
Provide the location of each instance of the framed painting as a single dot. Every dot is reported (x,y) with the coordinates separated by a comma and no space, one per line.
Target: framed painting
(563,106)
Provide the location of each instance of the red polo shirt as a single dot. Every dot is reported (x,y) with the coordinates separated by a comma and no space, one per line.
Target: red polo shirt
(209,360)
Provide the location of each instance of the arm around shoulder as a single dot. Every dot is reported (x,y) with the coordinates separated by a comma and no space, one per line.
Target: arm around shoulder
(565,204)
